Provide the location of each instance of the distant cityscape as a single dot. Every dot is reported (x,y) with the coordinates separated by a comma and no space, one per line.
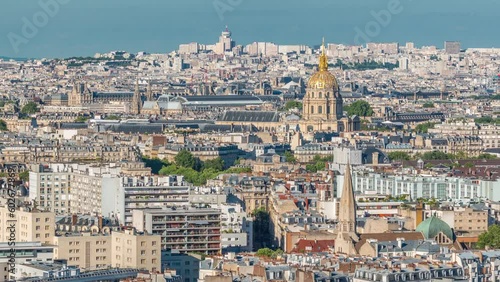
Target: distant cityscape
(264,162)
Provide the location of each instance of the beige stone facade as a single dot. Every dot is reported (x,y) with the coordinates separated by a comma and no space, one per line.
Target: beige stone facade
(126,249)
(31,225)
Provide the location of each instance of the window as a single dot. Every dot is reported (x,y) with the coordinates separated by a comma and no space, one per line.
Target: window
(320,109)
(312,109)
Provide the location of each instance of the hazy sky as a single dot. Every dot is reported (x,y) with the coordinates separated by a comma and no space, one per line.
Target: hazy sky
(84,27)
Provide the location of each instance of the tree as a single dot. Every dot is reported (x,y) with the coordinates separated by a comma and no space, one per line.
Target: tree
(3,125)
(112,117)
(490,239)
(399,155)
(486,156)
(318,163)
(360,108)
(428,105)
(261,228)
(216,164)
(30,108)
(185,159)
(24,176)
(155,164)
(264,252)
(436,155)
(424,127)
(293,105)
(81,119)
(290,157)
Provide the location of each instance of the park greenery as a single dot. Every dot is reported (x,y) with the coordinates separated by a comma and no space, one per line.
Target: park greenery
(3,125)
(365,65)
(424,127)
(318,163)
(112,117)
(360,108)
(290,105)
(266,252)
(30,108)
(192,168)
(289,157)
(489,239)
(487,120)
(428,105)
(24,176)
(81,119)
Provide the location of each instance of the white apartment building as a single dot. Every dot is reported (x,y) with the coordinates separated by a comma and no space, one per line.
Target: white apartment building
(424,186)
(236,228)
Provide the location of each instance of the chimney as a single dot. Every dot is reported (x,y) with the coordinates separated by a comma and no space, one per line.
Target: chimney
(74,219)
(375,158)
(99,222)
(400,242)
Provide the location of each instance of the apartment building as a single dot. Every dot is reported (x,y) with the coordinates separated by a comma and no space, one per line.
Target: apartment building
(24,252)
(127,193)
(31,225)
(466,221)
(416,186)
(236,229)
(124,249)
(134,250)
(185,229)
(75,188)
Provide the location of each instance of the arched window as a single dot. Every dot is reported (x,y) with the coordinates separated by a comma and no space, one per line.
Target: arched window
(312,94)
(320,109)
(327,94)
(312,109)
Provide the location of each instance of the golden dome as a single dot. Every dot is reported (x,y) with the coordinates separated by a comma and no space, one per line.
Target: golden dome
(323,79)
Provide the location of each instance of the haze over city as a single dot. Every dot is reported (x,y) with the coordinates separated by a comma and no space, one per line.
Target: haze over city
(82,28)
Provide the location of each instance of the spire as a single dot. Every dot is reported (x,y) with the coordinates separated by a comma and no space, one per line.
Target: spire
(347,212)
(323,60)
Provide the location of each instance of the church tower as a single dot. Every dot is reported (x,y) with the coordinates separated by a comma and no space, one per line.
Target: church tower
(149,92)
(346,227)
(80,95)
(136,106)
(322,104)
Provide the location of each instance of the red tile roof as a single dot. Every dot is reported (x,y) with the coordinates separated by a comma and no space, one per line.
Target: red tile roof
(313,246)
